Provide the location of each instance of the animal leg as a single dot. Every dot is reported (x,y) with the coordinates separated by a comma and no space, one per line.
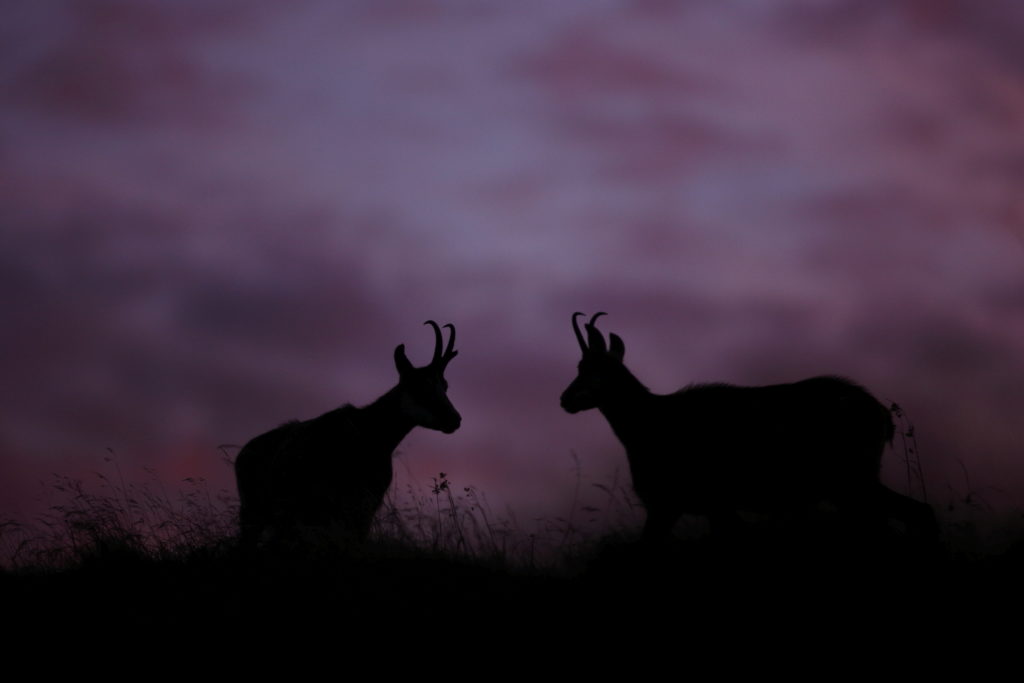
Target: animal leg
(886,522)
(918,518)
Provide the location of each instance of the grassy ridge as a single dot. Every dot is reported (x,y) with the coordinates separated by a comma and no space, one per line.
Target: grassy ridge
(134,557)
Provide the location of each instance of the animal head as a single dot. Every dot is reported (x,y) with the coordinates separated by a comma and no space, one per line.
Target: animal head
(600,371)
(424,391)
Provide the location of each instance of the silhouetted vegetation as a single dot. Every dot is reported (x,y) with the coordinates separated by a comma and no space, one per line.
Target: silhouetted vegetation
(135,557)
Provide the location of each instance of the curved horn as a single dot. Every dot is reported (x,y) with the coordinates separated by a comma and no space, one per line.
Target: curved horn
(594,337)
(438,342)
(449,351)
(579,335)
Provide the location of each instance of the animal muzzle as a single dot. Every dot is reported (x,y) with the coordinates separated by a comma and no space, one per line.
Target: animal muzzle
(451,424)
(571,404)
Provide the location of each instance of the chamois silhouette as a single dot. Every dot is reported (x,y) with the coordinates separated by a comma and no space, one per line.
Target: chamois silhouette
(332,471)
(718,450)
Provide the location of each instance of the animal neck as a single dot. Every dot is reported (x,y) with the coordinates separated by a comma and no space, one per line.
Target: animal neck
(628,408)
(385,422)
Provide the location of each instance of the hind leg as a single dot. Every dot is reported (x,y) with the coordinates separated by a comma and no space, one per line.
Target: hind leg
(887,522)
(917,518)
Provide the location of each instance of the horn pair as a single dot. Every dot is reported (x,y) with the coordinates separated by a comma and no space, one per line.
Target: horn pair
(442,358)
(596,341)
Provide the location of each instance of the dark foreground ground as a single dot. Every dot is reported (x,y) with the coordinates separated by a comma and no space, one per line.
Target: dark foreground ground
(880,591)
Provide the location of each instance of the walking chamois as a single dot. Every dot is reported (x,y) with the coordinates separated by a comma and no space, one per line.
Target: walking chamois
(332,471)
(718,450)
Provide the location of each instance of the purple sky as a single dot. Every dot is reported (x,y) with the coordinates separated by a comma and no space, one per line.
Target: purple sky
(216,216)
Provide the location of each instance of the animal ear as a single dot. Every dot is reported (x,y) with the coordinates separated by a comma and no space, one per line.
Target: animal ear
(616,348)
(401,361)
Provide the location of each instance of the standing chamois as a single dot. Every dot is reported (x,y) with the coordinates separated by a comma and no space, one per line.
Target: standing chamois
(333,471)
(717,450)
